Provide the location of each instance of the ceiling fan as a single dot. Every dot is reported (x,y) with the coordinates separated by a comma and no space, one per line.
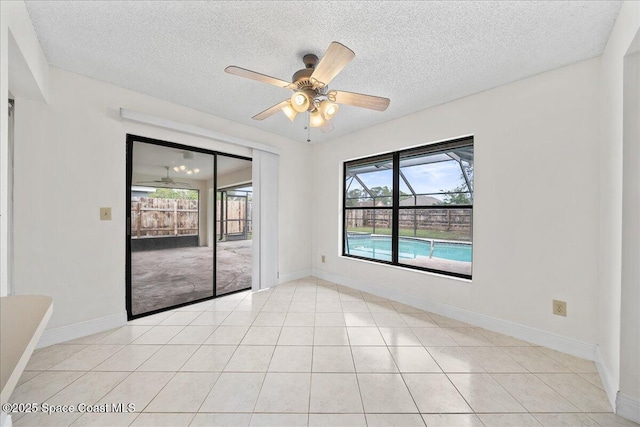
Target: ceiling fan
(311,92)
(167,180)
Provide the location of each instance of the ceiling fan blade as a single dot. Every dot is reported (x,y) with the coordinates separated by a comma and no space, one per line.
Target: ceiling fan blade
(148,182)
(327,126)
(359,100)
(334,60)
(271,110)
(255,76)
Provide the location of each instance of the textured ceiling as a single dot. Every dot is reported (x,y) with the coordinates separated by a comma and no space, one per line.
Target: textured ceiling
(418,54)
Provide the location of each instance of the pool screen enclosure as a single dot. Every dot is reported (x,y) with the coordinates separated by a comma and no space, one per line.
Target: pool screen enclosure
(412,208)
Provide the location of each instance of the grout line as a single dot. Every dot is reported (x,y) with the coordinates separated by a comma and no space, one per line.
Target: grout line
(355,373)
(225,365)
(288,299)
(462,395)
(268,365)
(313,343)
(159,391)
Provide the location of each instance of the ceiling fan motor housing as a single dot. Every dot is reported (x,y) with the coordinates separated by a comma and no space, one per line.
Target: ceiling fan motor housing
(302,81)
(301,78)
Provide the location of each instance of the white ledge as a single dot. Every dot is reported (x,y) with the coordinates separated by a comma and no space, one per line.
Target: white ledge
(22,321)
(149,119)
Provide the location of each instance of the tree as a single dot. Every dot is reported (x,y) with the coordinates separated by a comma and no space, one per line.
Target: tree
(382,196)
(461,195)
(173,193)
(454,198)
(354,196)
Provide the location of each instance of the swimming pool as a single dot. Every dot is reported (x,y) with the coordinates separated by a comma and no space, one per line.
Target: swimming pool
(379,247)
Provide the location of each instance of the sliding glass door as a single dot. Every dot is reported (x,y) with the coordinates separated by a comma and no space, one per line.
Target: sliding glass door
(234,229)
(171,214)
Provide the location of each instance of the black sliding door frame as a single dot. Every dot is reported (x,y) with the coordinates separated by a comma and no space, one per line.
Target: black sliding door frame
(129,177)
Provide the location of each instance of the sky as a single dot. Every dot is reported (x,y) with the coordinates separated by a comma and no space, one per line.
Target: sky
(426,178)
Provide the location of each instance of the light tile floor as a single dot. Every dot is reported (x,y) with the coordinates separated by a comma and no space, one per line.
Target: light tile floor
(311,353)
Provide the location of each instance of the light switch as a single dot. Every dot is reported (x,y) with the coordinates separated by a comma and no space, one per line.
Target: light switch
(105,214)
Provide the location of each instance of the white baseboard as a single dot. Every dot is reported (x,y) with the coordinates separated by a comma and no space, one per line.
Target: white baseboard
(301,274)
(609,383)
(526,333)
(82,329)
(628,407)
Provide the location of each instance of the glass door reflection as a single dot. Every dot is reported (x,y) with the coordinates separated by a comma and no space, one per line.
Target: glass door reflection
(233,224)
(172,261)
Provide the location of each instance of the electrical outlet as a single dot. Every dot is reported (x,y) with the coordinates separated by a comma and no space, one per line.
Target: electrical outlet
(559,308)
(322,258)
(105,214)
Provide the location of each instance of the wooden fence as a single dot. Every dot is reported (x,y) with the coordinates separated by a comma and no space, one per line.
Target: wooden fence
(237,217)
(163,217)
(418,219)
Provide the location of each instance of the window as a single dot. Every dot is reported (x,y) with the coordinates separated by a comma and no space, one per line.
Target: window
(412,208)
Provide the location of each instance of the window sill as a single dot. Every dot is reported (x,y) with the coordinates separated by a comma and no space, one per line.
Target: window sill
(413,270)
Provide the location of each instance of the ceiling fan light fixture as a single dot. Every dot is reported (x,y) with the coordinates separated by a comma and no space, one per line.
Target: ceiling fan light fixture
(289,112)
(315,119)
(196,170)
(176,168)
(182,167)
(328,109)
(311,92)
(300,102)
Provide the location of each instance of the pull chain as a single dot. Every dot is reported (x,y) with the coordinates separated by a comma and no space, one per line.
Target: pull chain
(308,127)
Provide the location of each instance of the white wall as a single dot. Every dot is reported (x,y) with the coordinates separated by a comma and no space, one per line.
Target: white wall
(629,399)
(70,160)
(630,292)
(535,201)
(610,191)
(23,72)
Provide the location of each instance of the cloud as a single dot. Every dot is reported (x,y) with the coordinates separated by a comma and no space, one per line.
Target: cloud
(426,178)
